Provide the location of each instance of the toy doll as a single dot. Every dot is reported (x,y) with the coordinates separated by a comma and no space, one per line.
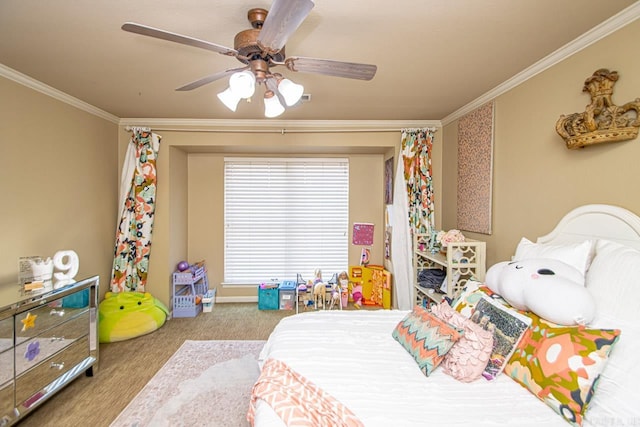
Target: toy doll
(335,296)
(343,282)
(319,289)
(356,295)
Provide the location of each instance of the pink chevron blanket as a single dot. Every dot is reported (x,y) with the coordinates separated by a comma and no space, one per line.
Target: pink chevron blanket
(296,400)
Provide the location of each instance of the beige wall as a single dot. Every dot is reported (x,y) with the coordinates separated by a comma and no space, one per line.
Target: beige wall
(58,183)
(206,212)
(189,211)
(536,178)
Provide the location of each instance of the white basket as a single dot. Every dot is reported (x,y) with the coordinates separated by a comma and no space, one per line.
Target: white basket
(208,300)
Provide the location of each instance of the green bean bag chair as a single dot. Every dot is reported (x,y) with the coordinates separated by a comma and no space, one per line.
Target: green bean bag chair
(126,315)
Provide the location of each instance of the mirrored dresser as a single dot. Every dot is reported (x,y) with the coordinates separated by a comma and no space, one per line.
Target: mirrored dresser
(47,339)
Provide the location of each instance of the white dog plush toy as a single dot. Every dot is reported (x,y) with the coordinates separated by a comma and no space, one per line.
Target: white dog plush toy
(550,288)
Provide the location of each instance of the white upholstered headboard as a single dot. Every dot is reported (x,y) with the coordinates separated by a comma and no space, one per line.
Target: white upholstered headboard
(596,221)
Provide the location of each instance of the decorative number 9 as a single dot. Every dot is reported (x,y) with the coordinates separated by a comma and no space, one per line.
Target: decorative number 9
(67,264)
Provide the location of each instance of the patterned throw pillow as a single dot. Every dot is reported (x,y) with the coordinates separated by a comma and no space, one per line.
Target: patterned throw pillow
(426,338)
(473,292)
(507,326)
(469,356)
(561,364)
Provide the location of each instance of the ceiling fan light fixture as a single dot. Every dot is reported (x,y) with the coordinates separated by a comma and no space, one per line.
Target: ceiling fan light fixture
(290,91)
(243,84)
(229,98)
(259,49)
(272,106)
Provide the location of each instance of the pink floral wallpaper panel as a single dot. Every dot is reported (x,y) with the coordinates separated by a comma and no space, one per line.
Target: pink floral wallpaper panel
(475,169)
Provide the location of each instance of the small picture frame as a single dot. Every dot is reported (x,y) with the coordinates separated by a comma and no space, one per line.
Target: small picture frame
(363,234)
(388,181)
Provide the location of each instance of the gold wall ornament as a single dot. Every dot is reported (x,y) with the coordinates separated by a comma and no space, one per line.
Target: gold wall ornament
(602,121)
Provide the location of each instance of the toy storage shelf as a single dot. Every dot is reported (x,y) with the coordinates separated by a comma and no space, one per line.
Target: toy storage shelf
(188,289)
(462,262)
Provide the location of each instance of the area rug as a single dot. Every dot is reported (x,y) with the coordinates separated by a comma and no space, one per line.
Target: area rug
(205,383)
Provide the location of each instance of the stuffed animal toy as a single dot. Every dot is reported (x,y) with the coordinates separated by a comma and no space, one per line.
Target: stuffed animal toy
(550,288)
(356,295)
(126,315)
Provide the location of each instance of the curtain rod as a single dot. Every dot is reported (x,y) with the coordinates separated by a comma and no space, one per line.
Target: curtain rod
(431,129)
(134,128)
(282,131)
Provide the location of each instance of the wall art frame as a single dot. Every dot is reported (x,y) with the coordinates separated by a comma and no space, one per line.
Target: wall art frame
(475,169)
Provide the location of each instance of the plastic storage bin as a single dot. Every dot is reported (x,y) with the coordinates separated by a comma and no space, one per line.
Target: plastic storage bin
(186,306)
(268,298)
(287,295)
(208,300)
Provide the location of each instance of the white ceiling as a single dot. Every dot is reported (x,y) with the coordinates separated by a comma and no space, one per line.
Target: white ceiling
(433,56)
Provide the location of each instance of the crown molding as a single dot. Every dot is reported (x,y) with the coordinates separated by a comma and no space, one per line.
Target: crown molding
(280,126)
(36,85)
(209,125)
(611,25)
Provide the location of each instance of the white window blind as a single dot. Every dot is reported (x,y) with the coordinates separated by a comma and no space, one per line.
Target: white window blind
(285,217)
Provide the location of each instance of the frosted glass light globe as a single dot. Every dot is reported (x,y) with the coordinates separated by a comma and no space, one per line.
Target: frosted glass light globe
(229,99)
(243,84)
(291,92)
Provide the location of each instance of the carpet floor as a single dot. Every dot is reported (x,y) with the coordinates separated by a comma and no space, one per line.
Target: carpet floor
(205,383)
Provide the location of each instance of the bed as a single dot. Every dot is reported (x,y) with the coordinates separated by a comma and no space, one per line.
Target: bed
(352,356)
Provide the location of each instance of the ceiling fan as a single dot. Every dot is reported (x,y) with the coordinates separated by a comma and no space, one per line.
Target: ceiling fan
(260,49)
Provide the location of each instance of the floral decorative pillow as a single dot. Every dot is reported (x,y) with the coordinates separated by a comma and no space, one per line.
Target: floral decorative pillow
(426,338)
(561,365)
(466,302)
(469,356)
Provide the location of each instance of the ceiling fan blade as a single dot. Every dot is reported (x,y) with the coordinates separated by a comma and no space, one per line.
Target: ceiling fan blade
(350,70)
(283,19)
(144,30)
(210,78)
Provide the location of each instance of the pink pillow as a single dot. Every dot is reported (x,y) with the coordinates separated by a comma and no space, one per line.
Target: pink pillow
(469,356)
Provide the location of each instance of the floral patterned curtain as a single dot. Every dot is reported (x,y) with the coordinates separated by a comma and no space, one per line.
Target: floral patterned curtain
(137,204)
(417,145)
(412,209)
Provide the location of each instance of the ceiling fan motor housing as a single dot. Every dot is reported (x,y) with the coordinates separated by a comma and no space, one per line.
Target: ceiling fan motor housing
(246,42)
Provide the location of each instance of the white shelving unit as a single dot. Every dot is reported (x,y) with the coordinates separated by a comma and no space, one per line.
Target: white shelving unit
(462,262)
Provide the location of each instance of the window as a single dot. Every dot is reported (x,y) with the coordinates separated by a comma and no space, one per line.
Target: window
(284,217)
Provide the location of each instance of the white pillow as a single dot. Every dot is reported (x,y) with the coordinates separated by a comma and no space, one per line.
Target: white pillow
(552,289)
(614,280)
(577,255)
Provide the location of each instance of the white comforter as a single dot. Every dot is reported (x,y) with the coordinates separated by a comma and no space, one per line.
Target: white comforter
(352,356)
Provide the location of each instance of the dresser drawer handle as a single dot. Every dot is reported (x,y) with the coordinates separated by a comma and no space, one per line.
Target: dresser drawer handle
(59,366)
(55,312)
(54,339)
